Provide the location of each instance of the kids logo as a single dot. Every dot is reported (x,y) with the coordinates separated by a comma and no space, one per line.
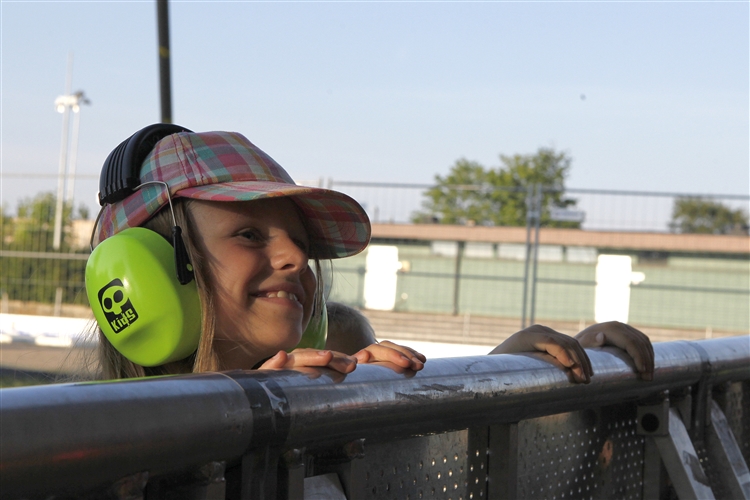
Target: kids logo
(116,305)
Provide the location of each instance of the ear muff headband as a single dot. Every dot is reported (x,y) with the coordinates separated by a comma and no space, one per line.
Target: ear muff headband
(121,171)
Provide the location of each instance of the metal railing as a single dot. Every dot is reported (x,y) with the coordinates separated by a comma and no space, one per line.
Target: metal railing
(506,426)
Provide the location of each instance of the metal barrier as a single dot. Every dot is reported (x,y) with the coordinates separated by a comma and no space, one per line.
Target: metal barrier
(506,426)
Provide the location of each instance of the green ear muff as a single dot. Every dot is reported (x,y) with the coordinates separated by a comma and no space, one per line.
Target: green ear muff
(316,332)
(140,305)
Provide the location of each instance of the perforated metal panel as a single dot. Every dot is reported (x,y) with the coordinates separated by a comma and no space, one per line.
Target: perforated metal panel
(736,405)
(449,466)
(588,454)
(734,401)
(713,475)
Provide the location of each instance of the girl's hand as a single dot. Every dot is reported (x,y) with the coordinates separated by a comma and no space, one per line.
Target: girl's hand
(564,348)
(399,355)
(300,358)
(627,338)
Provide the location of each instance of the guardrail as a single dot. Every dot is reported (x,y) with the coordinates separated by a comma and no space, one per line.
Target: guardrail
(506,426)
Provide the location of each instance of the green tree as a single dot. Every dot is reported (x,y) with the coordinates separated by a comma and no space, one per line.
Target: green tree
(473,194)
(36,277)
(701,215)
(82,213)
(35,223)
(6,227)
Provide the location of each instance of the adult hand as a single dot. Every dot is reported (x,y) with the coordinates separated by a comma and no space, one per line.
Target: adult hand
(399,355)
(300,358)
(627,338)
(563,348)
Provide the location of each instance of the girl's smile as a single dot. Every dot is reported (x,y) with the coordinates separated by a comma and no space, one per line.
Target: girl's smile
(264,290)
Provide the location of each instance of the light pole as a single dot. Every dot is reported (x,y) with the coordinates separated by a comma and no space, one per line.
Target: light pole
(80,99)
(65,104)
(165,80)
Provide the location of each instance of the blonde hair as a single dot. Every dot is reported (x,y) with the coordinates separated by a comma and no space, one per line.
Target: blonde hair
(116,366)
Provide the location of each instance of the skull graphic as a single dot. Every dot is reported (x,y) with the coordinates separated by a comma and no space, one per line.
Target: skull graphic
(113,299)
(116,305)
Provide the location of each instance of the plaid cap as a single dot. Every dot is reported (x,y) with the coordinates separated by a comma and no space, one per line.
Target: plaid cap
(225,166)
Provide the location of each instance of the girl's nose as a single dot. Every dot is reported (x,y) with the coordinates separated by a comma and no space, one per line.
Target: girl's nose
(286,254)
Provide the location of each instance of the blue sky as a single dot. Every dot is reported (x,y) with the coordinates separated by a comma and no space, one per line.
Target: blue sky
(397,91)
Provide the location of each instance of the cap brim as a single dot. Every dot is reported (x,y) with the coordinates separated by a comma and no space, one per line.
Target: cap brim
(340,227)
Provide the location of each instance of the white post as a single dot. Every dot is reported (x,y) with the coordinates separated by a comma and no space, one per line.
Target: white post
(612,295)
(73,155)
(61,182)
(381,277)
(65,110)
(58,301)
(64,104)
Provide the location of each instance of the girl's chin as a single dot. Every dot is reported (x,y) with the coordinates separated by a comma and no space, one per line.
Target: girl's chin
(286,338)
(287,342)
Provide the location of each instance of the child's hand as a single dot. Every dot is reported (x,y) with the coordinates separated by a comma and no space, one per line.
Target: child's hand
(567,350)
(399,355)
(300,358)
(627,338)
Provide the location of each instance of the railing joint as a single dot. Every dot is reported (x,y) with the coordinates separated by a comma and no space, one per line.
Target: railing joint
(653,417)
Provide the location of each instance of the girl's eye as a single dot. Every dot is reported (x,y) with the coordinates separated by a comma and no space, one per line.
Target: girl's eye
(303,246)
(251,235)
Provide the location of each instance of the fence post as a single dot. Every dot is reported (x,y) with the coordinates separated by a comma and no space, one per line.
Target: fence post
(502,467)
(538,215)
(533,216)
(457,276)
(529,215)
(58,302)
(259,473)
(291,475)
(361,270)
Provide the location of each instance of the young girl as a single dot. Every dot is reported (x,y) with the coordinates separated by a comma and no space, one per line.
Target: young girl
(250,235)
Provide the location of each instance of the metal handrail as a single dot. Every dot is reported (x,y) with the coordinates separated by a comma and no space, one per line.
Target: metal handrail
(80,435)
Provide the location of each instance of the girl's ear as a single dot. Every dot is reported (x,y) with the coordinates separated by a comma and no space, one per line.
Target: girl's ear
(316,332)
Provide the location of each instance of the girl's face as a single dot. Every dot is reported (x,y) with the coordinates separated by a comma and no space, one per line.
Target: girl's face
(261,284)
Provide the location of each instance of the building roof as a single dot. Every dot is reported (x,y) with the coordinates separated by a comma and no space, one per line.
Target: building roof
(666,242)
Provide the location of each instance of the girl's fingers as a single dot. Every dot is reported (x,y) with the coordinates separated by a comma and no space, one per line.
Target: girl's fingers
(277,362)
(570,355)
(408,351)
(562,347)
(625,337)
(641,350)
(300,358)
(393,353)
(644,344)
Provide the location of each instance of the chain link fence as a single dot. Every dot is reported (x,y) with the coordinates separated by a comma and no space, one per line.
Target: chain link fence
(516,275)
(676,285)
(35,276)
